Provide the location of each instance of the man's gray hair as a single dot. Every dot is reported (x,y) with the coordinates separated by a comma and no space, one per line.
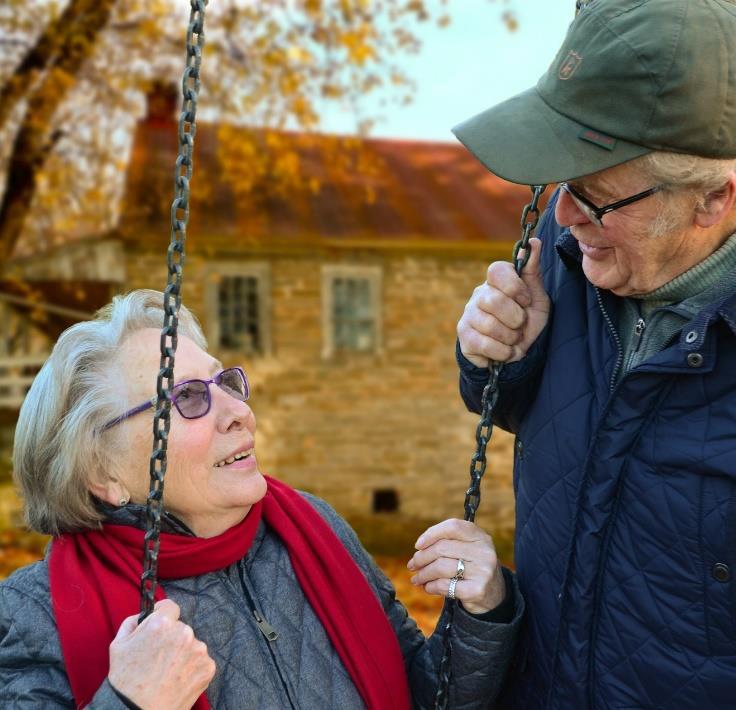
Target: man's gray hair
(688,180)
(58,449)
(689,172)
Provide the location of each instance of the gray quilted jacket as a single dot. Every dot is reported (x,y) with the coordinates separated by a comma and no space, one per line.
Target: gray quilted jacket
(300,669)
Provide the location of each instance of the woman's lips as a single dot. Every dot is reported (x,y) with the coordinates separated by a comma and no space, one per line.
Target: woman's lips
(594,252)
(247,463)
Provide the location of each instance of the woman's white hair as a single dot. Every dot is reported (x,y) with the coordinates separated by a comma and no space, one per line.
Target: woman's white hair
(58,449)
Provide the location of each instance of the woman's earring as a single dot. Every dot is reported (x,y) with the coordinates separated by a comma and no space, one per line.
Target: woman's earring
(123,501)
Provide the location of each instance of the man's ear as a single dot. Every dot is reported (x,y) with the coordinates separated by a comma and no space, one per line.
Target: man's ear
(718,204)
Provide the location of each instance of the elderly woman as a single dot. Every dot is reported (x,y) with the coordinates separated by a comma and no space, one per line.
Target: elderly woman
(267,599)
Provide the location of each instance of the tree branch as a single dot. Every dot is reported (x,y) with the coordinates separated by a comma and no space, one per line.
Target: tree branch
(61,56)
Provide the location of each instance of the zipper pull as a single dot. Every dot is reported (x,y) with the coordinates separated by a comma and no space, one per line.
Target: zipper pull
(266,629)
(638,331)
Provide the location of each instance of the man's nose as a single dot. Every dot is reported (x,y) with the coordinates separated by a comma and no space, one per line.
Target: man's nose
(567,213)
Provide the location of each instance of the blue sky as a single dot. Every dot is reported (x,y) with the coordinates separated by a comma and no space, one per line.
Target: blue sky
(470,65)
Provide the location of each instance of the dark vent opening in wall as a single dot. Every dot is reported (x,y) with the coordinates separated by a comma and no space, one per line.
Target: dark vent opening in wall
(385,500)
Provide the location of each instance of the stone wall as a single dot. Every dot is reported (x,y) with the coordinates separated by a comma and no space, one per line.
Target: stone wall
(350,425)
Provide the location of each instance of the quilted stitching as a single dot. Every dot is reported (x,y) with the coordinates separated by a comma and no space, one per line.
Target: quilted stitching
(32,673)
(615,548)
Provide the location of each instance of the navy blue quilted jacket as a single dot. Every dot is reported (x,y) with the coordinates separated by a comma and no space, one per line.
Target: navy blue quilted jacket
(625,504)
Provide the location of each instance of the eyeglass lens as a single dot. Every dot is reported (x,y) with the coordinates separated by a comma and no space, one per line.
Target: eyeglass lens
(232,382)
(192,398)
(587,210)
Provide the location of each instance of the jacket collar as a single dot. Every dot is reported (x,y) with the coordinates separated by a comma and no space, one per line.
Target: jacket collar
(569,252)
(134,515)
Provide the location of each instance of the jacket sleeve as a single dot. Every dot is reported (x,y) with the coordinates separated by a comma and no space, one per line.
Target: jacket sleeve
(518,381)
(481,650)
(32,673)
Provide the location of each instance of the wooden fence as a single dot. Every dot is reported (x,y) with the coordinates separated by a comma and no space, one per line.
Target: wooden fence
(16,375)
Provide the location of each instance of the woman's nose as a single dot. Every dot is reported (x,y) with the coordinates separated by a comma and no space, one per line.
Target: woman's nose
(232,413)
(567,213)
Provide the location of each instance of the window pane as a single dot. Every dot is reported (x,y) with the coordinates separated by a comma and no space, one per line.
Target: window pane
(240,327)
(353,315)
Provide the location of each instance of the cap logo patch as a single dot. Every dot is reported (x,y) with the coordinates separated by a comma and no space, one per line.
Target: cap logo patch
(599,139)
(570,65)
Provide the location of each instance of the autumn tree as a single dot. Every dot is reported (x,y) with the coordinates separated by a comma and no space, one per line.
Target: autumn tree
(73,75)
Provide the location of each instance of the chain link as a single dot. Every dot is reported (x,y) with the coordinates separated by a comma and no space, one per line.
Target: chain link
(529,221)
(172,302)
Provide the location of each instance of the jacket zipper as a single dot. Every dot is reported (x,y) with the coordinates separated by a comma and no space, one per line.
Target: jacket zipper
(617,339)
(639,328)
(639,331)
(266,629)
(269,633)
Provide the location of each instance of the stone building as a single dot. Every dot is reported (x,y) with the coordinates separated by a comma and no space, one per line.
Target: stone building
(340,301)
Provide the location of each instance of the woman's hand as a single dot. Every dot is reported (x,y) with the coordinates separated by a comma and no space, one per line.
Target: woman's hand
(159,664)
(439,548)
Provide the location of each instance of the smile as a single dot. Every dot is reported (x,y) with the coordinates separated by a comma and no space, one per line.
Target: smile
(235,457)
(593,252)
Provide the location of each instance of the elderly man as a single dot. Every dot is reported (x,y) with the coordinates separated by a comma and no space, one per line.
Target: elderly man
(620,344)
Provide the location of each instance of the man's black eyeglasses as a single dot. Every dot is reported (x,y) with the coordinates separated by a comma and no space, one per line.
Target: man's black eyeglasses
(594,213)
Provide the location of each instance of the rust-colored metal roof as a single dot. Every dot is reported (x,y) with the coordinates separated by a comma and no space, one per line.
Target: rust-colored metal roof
(400,192)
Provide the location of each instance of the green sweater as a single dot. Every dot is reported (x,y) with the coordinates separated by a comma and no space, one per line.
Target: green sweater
(649,322)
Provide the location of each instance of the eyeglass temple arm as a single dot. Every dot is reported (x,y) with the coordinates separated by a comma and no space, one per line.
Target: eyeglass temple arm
(140,408)
(629,200)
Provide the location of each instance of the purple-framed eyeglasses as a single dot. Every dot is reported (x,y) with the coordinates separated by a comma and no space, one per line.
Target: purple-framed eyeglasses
(192,398)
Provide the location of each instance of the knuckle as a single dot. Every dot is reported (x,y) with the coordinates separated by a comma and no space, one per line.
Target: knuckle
(498,351)
(495,270)
(456,524)
(185,631)
(158,622)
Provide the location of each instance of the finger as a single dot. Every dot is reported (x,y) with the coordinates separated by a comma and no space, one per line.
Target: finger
(504,308)
(442,568)
(532,273)
(167,608)
(479,349)
(464,589)
(451,529)
(502,275)
(492,327)
(481,554)
(128,626)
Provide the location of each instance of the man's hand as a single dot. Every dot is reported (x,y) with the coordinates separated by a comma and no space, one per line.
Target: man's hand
(159,664)
(506,314)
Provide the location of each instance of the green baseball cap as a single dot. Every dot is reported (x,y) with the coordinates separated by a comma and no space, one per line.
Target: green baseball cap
(632,76)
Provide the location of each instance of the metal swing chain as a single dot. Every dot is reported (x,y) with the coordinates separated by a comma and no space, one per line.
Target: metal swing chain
(529,221)
(172,301)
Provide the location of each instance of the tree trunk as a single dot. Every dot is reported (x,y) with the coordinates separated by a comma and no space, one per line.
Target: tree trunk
(66,45)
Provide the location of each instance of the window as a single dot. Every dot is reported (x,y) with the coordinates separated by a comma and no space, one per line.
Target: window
(238,306)
(351,309)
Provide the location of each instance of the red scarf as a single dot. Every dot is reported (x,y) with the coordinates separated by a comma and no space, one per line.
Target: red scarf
(95,582)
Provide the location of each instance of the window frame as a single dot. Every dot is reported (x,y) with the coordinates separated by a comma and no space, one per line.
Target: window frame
(374,276)
(261,271)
